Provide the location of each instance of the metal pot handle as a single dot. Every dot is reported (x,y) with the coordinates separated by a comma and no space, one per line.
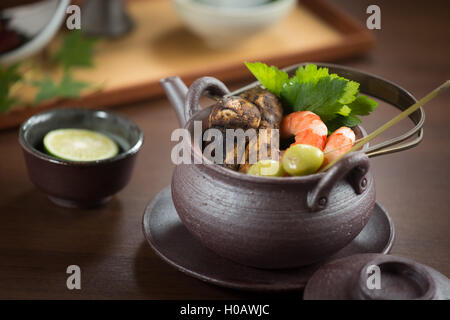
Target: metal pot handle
(186,101)
(205,85)
(354,167)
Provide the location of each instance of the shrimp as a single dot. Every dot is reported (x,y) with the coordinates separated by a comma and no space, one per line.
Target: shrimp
(338,143)
(307,128)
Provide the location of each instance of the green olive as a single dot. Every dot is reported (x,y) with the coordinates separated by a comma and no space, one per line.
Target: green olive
(302,159)
(267,168)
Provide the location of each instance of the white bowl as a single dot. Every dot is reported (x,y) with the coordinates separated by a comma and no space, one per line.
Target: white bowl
(234,3)
(225,27)
(40,22)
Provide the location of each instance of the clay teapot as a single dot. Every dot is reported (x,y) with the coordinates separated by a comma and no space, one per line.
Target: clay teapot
(267,222)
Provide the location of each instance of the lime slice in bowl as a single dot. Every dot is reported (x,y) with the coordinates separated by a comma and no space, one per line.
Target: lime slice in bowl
(79,145)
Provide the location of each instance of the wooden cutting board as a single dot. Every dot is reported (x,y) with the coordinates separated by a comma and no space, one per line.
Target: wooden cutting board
(128,69)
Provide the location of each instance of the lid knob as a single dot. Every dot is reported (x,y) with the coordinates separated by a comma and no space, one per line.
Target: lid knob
(398,279)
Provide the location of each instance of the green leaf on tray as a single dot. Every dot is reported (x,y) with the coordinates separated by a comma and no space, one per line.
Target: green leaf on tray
(271,78)
(333,98)
(8,77)
(6,103)
(67,88)
(76,51)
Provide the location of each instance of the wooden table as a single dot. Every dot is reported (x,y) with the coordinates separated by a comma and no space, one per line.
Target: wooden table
(39,240)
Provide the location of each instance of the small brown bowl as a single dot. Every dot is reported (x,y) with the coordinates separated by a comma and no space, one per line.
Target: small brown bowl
(80,184)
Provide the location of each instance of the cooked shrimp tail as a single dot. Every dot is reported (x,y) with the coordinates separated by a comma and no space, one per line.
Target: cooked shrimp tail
(339,142)
(307,128)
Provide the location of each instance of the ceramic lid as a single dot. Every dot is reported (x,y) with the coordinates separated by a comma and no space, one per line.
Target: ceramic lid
(355,278)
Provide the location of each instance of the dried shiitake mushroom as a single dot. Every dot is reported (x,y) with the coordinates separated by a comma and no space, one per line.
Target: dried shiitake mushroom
(234,113)
(268,104)
(256,108)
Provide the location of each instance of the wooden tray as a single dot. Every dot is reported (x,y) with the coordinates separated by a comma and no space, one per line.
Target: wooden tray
(129,68)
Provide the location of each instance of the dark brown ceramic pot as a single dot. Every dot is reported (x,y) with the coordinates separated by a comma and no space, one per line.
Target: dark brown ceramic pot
(266,222)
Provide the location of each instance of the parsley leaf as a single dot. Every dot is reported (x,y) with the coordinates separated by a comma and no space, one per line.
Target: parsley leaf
(271,78)
(76,51)
(362,106)
(310,73)
(345,111)
(333,98)
(67,88)
(348,115)
(8,77)
(321,97)
(350,92)
(342,121)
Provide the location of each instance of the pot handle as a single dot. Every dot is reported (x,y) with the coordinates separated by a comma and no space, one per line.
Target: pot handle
(354,166)
(205,85)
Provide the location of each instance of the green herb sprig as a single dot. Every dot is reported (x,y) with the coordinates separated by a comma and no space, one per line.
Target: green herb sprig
(333,98)
(76,51)
(8,77)
(67,88)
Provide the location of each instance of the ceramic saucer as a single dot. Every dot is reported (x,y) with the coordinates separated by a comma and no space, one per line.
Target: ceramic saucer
(169,238)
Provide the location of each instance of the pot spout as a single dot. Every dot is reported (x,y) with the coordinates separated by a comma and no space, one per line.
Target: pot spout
(176,91)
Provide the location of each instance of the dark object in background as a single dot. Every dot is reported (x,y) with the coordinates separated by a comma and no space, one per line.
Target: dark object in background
(9,39)
(5,4)
(401,279)
(107,18)
(29,28)
(80,184)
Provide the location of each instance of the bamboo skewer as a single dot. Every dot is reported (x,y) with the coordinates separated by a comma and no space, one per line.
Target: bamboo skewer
(390,123)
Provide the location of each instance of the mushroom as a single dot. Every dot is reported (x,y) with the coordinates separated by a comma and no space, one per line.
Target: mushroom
(253,109)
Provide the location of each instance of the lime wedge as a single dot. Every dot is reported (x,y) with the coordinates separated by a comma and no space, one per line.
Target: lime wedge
(79,145)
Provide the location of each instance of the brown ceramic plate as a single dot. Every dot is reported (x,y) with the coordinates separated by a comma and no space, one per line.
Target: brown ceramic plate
(169,238)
